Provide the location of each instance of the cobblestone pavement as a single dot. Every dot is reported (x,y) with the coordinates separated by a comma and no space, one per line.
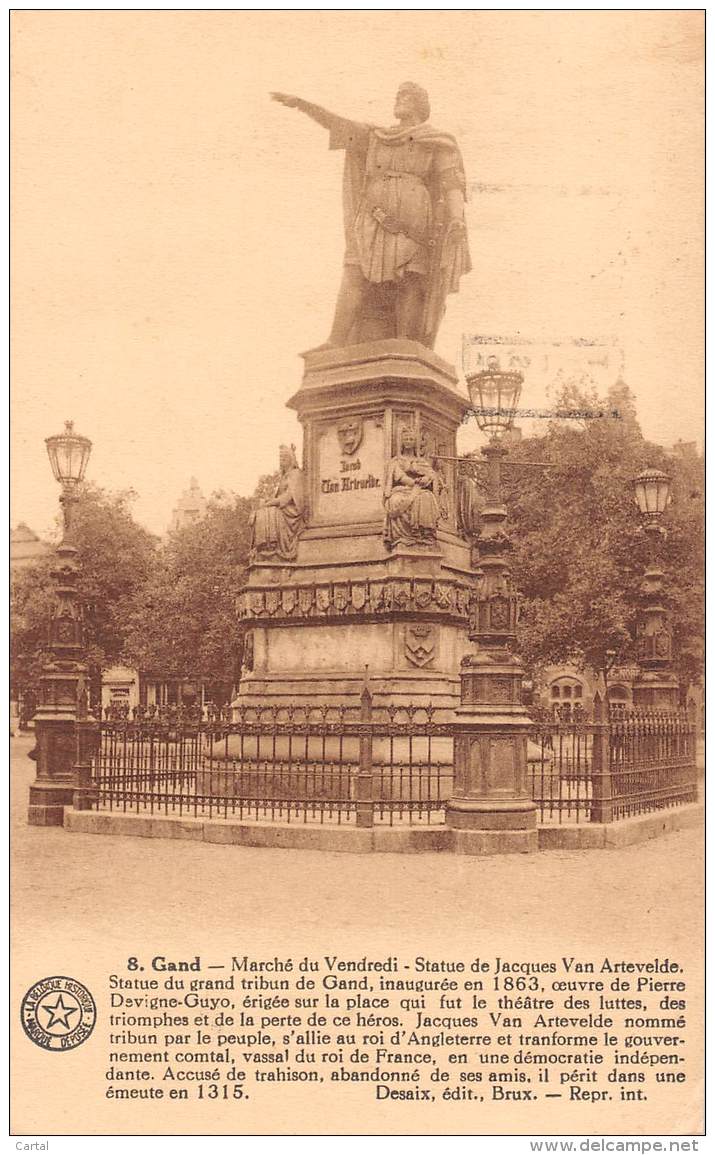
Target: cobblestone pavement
(650,892)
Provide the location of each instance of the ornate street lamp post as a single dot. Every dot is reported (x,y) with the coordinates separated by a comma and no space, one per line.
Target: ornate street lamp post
(491,807)
(656,686)
(63,693)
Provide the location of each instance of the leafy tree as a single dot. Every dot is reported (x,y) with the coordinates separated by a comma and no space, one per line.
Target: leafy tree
(116,555)
(31,602)
(166,609)
(184,622)
(579,547)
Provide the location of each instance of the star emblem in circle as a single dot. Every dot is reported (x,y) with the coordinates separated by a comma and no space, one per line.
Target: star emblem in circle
(59,1013)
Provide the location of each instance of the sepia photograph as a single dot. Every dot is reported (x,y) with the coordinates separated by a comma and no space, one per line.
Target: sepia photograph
(357,574)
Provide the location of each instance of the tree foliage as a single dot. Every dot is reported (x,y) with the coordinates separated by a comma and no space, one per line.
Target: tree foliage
(184,622)
(579,547)
(31,602)
(115,556)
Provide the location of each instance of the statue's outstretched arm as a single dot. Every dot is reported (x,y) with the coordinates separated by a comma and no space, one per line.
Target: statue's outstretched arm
(314,111)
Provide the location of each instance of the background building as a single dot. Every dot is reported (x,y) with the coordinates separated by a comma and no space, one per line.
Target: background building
(563,689)
(190,507)
(126,688)
(26,547)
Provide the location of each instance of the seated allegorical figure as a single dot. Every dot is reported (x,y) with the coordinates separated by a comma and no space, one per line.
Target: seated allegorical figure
(278,521)
(413,496)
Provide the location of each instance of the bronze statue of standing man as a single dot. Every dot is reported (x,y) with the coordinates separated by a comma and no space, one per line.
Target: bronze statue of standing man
(405,239)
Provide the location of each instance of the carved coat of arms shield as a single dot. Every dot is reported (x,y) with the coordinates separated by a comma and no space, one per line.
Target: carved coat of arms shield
(305,599)
(420,643)
(323,599)
(443,595)
(341,596)
(358,595)
(377,596)
(350,431)
(401,595)
(290,601)
(273,601)
(423,594)
(256,602)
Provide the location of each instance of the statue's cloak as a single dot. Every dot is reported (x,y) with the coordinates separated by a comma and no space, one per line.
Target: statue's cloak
(446,258)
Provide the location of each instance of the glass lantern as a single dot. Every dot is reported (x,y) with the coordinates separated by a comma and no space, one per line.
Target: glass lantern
(652,492)
(494,394)
(68,453)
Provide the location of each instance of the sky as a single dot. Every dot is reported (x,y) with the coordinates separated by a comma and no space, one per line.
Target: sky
(178,237)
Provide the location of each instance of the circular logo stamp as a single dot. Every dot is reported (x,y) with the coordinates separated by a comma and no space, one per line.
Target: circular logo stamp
(58,1013)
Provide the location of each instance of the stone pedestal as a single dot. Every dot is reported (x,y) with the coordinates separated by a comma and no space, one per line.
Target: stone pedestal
(53,787)
(350,606)
(64,750)
(655,690)
(47,802)
(491,809)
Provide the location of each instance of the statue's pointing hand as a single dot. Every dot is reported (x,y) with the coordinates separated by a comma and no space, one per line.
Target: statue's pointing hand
(284,98)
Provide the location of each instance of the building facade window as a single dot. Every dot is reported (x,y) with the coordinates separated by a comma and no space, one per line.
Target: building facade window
(619,699)
(566,698)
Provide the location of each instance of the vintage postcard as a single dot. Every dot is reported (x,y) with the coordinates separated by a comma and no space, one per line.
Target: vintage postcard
(357,574)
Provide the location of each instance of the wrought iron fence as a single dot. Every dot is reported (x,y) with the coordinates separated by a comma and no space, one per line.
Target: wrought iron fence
(613,767)
(366,765)
(565,782)
(337,764)
(651,761)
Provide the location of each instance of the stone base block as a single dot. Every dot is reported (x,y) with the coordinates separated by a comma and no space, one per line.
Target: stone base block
(412,839)
(388,839)
(626,832)
(185,828)
(589,836)
(486,842)
(465,814)
(408,662)
(47,804)
(286,836)
(643,827)
(133,825)
(45,815)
